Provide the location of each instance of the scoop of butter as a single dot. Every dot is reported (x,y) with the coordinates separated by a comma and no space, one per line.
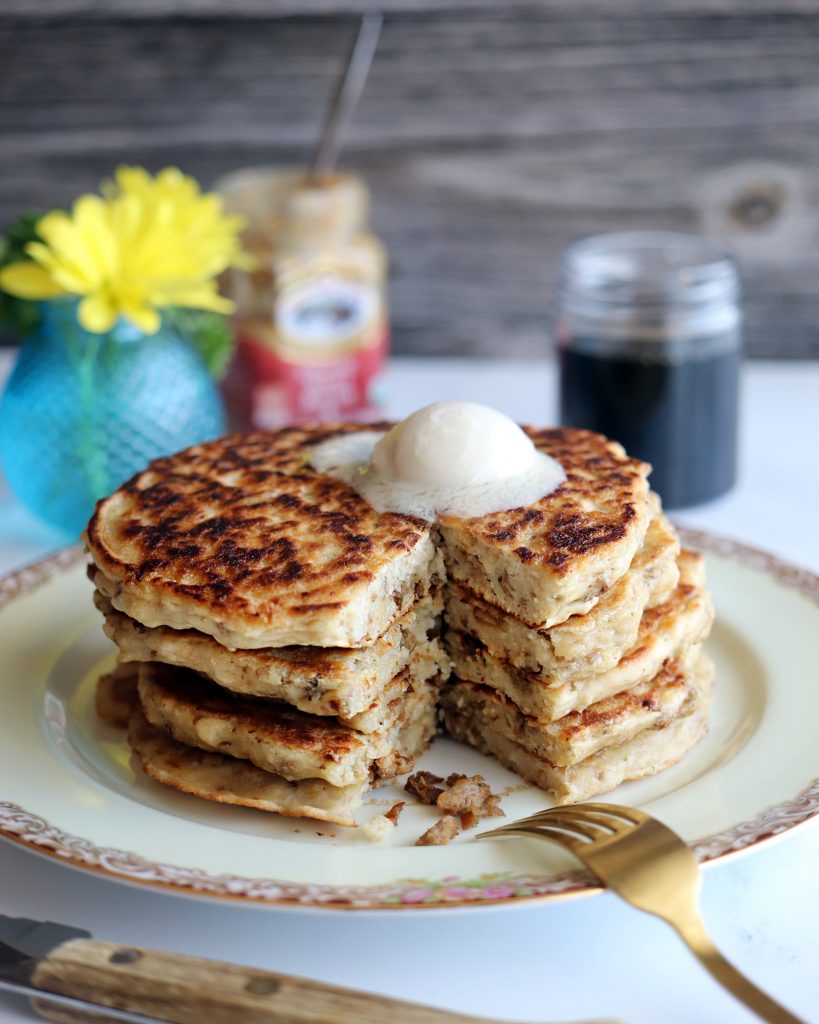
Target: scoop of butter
(451,458)
(454,444)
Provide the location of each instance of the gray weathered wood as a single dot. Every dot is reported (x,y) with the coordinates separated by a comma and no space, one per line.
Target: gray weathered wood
(48,9)
(491,137)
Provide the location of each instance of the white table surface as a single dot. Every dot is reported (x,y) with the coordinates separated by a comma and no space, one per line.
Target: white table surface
(535,962)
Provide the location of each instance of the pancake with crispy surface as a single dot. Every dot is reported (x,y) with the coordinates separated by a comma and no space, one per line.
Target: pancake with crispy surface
(227,780)
(242,539)
(558,556)
(665,630)
(588,643)
(346,682)
(580,734)
(277,737)
(645,740)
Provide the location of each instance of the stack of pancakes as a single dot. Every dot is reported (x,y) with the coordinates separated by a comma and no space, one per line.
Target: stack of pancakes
(289,634)
(575,628)
(288,637)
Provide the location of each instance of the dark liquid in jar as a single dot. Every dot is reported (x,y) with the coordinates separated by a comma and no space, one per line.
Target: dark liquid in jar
(679,416)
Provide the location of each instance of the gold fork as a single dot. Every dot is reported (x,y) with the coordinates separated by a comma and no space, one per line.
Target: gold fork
(647,864)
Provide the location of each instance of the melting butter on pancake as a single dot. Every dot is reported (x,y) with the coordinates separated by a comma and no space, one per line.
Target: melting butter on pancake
(451,458)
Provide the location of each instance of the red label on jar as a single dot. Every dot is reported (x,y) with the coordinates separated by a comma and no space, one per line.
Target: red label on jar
(266,389)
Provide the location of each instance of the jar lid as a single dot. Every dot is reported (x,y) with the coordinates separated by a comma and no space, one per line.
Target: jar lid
(634,266)
(287,212)
(653,285)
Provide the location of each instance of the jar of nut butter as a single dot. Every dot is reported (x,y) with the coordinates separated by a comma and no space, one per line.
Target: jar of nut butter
(311,318)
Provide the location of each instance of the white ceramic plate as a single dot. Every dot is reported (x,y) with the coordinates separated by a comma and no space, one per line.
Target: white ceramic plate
(68,787)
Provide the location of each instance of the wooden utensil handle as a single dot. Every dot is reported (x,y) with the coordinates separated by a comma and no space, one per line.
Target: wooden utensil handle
(188,990)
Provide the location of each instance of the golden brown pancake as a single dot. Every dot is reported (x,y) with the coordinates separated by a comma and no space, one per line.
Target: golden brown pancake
(558,556)
(228,780)
(316,615)
(277,737)
(482,718)
(116,696)
(592,642)
(241,539)
(346,682)
(665,631)
(606,723)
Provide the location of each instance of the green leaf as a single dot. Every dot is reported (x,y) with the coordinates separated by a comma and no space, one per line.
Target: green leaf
(18,317)
(210,333)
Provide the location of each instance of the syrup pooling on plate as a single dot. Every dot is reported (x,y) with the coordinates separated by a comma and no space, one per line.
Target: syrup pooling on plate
(451,458)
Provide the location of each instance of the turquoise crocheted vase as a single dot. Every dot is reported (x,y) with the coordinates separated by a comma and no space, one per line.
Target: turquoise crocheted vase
(83,412)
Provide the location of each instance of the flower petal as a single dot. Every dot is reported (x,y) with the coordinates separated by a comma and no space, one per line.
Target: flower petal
(28,280)
(151,242)
(203,296)
(145,317)
(97,313)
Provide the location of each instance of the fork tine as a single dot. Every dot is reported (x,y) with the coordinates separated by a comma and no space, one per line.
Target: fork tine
(544,832)
(573,817)
(574,825)
(603,824)
(618,810)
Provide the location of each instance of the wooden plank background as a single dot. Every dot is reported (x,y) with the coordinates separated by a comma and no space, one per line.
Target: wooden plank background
(492,134)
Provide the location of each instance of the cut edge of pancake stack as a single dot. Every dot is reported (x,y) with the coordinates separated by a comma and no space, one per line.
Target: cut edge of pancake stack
(573,628)
(217,723)
(301,731)
(595,700)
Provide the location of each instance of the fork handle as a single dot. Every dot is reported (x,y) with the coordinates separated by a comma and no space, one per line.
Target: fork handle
(695,935)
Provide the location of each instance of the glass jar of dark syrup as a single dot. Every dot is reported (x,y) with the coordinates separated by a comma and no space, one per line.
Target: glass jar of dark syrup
(649,343)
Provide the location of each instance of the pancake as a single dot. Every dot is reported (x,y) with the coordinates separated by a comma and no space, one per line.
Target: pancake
(558,556)
(665,630)
(279,738)
(242,539)
(588,643)
(116,696)
(480,717)
(227,780)
(580,734)
(322,681)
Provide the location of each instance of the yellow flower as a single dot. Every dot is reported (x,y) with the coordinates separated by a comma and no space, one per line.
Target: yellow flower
(147,244)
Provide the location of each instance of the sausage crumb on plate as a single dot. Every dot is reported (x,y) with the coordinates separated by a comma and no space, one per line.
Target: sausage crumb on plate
(468,793)
(394,812)
(424,786)
(463,800)
(442,832)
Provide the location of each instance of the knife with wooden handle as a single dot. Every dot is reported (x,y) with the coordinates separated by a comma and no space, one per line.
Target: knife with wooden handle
(102,981)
